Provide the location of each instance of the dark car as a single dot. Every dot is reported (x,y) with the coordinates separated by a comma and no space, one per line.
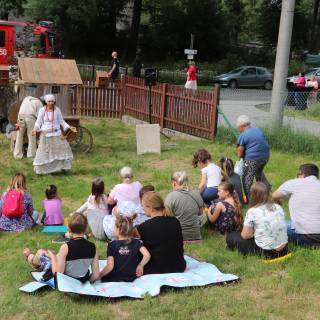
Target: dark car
(246,76)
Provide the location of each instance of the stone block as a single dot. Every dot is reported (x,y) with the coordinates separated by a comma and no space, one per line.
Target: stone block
(148,138)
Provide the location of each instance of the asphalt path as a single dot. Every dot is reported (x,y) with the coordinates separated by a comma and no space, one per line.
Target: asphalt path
(234,103)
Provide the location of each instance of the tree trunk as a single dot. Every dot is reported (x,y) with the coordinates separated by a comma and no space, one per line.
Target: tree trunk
(315,26)
(4,15)
(135,25)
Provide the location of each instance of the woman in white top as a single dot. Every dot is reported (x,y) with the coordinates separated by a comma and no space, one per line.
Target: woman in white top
(96,208)
(211,176)
(54,153)
(264,229)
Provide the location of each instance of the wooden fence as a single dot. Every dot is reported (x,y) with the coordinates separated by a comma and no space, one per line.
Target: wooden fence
(171,106)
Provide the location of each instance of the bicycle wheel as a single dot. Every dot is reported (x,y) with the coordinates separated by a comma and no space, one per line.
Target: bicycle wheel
(82,141)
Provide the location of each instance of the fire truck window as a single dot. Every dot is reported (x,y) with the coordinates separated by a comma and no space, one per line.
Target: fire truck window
(2,38)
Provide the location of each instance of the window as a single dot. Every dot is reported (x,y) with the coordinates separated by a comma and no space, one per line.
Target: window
(2,38)
(249,72)
(261,71)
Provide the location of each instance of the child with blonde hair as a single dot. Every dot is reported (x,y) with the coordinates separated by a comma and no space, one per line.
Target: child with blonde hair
(123,254)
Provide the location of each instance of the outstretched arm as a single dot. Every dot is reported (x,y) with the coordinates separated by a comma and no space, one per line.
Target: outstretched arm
(58,261)
(95,268)
(203,182)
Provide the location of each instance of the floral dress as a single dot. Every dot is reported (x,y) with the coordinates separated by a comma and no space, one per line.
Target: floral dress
(226,221)
(18,224)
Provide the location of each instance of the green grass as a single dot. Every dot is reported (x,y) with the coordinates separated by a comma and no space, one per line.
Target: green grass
(278,291)
(312,113)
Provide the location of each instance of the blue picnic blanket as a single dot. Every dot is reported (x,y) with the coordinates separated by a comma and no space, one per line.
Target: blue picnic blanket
(197,274)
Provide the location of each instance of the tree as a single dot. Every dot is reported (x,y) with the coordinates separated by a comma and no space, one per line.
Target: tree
(6,6)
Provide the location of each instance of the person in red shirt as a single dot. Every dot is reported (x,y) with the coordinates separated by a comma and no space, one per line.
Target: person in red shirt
(191,77)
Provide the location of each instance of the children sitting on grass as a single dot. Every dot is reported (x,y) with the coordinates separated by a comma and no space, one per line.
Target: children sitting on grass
(74,257)
(124,262)
(264,229)
(225,213)
(211,175)
(52,214)
(96,208)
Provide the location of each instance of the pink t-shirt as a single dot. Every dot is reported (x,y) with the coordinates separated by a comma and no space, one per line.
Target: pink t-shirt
(126,192)
(53,211)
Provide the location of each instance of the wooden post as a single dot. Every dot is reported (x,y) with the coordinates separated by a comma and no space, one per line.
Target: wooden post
(122,95)
(163,104)
(214,111)
(78,101)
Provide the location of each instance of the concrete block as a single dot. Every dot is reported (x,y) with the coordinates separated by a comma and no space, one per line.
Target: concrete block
(148,138)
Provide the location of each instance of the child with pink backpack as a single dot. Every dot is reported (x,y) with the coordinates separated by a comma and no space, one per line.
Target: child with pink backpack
(16,207)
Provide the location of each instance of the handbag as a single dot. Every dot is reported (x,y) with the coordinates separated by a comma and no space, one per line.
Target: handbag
(238,167)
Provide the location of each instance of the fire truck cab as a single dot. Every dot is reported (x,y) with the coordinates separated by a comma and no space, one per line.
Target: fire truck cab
(18,38)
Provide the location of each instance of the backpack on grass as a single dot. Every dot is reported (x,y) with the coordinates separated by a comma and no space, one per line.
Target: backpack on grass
(13,204)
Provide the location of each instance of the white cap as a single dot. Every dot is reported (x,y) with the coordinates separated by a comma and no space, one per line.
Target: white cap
(243,120)
(127,209)
(49,97)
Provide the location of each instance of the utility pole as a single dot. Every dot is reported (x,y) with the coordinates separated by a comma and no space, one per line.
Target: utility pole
(279,90)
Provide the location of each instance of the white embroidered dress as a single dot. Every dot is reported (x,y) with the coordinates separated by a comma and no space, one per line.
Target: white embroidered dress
(54,153)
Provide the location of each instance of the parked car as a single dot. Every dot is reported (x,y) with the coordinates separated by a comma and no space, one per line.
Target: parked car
(246,76)
(307,75)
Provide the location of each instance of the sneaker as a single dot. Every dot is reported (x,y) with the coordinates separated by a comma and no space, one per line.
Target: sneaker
(61,239)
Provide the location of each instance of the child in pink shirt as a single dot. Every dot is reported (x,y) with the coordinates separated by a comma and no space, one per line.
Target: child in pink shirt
(52,207)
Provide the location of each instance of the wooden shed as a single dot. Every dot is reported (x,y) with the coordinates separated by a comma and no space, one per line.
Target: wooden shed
(37,77)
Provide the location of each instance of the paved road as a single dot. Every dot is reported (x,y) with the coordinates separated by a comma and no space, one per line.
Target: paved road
(246,104)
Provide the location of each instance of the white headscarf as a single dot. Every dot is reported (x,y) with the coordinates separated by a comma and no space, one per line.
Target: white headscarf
(49,97)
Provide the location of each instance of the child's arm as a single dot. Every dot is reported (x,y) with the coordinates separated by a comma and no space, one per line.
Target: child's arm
(95,268)
(58,261)
(213,216)
(145,259)
(108,268)
(203,182)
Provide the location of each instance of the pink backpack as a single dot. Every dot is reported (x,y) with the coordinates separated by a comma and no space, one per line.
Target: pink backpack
(13,204)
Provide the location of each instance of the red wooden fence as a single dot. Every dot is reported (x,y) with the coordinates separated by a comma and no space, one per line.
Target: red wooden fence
(172,106)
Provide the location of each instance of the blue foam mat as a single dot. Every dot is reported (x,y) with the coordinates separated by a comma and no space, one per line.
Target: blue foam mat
(197,274)
(54,229)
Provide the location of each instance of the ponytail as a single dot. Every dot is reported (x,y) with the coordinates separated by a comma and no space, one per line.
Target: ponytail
(237,205)
(125,225)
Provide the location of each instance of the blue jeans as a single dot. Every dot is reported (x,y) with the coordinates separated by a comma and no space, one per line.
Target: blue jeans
(209,194)
(308,240)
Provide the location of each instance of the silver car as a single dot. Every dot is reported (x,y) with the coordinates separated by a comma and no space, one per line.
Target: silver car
(307,75)
(246,76)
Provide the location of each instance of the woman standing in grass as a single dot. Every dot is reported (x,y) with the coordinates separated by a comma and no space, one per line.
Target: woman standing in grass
(254,149)
(162,236)
(54,153)
(264,231)
(211,175)
(23,220)
(225,214)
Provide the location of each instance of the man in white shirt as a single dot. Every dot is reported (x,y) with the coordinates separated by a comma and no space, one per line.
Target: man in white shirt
(27,116)
(304,205)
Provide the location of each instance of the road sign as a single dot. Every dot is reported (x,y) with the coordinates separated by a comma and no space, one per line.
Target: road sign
(190,51)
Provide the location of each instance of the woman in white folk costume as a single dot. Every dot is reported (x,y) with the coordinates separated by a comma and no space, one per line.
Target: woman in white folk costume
(53,153)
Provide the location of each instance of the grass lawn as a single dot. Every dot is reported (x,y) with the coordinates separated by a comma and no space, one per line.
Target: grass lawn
(312,113)
(290,289)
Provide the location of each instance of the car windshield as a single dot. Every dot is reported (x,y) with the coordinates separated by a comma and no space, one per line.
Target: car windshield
(236,70)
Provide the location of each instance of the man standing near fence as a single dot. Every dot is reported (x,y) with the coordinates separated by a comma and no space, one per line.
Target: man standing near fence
(27,117)
(191,77)
(113,73)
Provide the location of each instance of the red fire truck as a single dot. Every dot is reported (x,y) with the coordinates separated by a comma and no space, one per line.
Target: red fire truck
(25,39)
